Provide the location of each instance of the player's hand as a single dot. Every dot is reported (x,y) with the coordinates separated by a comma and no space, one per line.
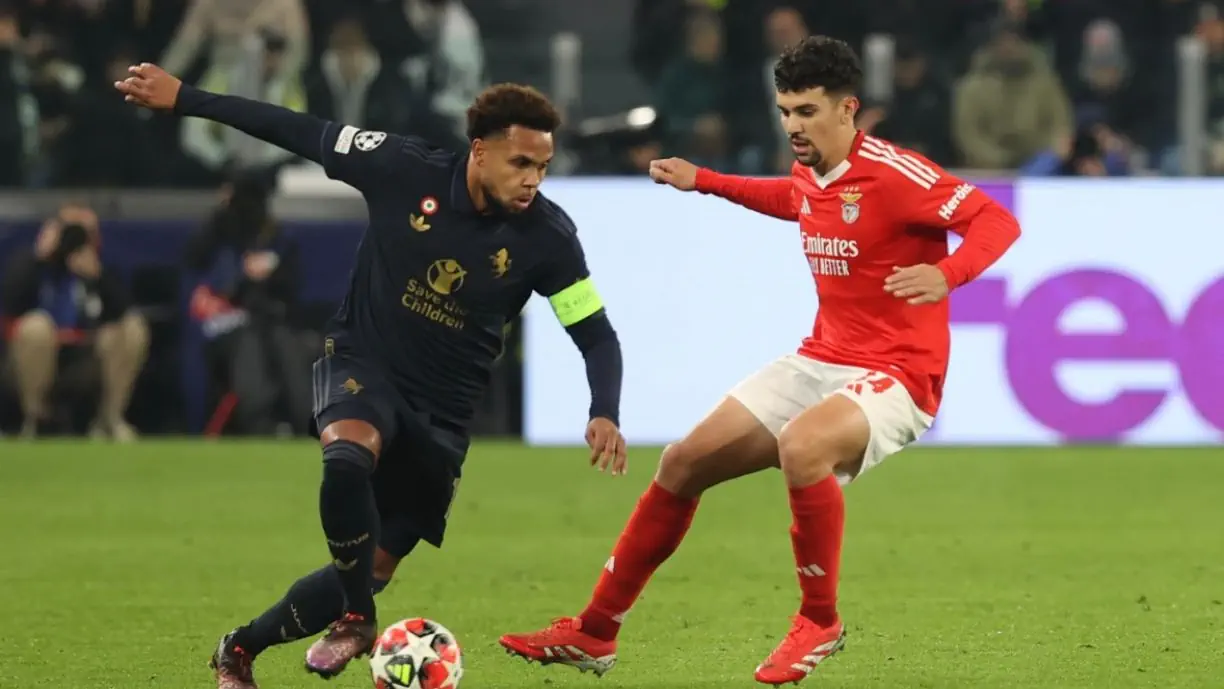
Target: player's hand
(607,446)
(677,172)
(920,284)
(150,86)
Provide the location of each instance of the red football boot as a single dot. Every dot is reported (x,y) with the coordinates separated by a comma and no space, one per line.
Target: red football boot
(565,643)
(806,645)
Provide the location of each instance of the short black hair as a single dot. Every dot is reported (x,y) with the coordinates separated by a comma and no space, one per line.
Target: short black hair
(502,106)
(818,61)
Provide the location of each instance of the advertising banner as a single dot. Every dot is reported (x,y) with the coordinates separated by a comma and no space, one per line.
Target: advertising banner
(1103,324)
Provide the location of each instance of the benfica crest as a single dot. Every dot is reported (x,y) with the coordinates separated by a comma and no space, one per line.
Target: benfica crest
(850,206)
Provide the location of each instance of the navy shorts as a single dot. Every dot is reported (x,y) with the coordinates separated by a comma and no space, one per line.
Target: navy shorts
(422,456)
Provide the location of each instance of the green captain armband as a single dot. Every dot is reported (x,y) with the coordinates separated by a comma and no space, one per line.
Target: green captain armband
(576,302)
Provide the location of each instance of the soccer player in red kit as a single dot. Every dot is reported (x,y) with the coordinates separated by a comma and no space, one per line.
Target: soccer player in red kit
(873,222)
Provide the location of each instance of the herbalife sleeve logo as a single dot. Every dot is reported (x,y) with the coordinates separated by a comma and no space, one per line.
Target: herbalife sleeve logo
(949,207)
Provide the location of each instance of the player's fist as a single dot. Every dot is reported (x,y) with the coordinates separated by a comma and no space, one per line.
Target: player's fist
(607,446)
(920,284)
(150,86)
(677,172)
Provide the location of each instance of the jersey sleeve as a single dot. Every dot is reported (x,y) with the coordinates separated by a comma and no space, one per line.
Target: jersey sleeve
(368,160)
(364,159)
(933,198)
(773,196)
(566,280)
(936,199)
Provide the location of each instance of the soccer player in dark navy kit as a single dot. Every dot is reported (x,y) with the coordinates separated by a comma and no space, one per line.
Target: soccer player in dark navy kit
(456,245)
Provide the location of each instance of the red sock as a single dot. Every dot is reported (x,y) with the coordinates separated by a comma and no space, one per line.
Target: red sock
(653,533)
(819,512)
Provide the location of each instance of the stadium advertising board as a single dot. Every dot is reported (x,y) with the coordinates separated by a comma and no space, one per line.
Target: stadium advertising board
(1103,324)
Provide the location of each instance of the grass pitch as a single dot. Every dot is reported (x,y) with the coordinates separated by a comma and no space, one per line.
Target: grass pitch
(1077,568)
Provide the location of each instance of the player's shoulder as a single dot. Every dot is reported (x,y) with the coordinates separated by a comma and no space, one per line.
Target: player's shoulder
(552,219)
(897,165)
(405,149)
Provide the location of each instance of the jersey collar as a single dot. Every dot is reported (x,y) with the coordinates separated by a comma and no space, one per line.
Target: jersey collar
(461,200)
(839,170)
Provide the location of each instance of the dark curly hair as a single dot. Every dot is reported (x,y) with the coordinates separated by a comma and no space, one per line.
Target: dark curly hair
(502,106)
(819,61)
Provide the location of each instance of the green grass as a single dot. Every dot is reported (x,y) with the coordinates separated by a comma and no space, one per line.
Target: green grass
(1078,568)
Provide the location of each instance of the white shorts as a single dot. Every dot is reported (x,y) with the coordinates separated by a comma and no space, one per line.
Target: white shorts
(786,387)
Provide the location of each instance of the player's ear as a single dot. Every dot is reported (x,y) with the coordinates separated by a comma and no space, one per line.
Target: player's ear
(850,107)
(478,151)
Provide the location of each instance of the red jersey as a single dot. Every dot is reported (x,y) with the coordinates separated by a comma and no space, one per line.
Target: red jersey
(883,207)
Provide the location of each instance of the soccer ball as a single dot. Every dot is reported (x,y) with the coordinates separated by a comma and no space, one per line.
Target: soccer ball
(416,654)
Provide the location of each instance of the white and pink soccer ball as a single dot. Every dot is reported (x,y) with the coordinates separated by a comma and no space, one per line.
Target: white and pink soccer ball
(416,654)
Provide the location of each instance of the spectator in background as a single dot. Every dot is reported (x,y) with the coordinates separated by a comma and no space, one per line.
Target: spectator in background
(451,72)
(784,27)
(1104,95)
(55,81)
(248,284)
(1010,105)
(223,26)
(918,116)
(353,85)
(72,337)
(1092,152)
(690,96)
(222,149)
(19,137)
(107,143)
(1211,31)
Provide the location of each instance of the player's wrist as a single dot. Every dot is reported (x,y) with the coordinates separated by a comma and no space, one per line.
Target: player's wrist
(949,273)
(606,416)
(706,180)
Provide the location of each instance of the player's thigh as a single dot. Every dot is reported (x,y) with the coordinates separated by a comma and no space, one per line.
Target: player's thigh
(414,487)
(881,418)
(740,436)
(353,402)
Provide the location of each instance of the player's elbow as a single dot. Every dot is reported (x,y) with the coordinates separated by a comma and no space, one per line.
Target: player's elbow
(594,332)
(999,222)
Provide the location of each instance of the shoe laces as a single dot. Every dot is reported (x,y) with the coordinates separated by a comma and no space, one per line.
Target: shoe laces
(239,663)
(791,641)
(346,623)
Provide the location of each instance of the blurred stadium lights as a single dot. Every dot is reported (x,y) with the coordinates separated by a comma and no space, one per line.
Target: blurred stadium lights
(640,119)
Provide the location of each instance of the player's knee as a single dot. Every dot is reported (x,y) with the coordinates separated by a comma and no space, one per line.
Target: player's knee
(807,454)
(353,432)
(348,456)
(680,471)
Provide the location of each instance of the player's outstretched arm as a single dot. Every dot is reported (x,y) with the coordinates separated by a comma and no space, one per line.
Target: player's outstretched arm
(152,87)
(769,196)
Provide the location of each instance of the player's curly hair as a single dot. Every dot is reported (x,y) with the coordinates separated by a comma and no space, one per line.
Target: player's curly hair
(818,61)
(502,106)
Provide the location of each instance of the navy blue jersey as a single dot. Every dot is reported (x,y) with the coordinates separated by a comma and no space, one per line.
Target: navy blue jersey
(435,282)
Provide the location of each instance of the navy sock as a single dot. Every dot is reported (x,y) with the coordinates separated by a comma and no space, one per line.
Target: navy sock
(350,521)
(313,602)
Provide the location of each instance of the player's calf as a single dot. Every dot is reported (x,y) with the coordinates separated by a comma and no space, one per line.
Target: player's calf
(830,437)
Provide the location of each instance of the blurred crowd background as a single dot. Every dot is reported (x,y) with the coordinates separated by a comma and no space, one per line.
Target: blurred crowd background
(1042,86)
(996,87)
